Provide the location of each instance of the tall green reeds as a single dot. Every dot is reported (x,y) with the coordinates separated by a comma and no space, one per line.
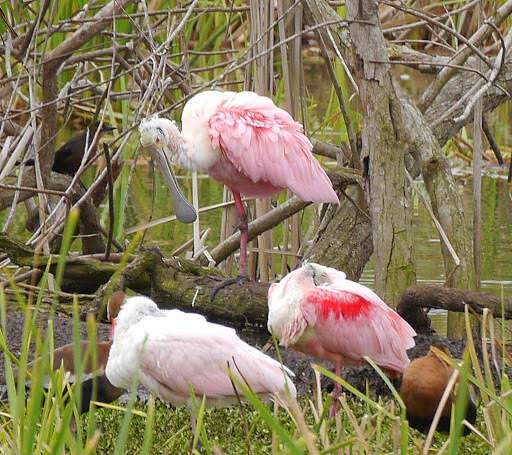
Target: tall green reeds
(39,421)
(40,402)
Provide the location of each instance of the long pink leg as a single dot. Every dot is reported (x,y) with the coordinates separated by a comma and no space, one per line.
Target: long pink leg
(337,392)
(242,271)
(242,214)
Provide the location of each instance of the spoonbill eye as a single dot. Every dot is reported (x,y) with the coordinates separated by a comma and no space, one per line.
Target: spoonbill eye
(157,140)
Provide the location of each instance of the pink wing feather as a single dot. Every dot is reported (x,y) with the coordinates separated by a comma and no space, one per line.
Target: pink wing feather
(266,144)
(201,357)
(357,325)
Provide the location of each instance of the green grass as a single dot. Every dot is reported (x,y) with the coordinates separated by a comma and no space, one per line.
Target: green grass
(40,423)
(226,428)
(364,424)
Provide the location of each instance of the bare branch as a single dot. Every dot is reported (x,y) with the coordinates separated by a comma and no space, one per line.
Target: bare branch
(87,31)
(447,73)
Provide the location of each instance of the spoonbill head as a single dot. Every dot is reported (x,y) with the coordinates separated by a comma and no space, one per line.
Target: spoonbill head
(157,136)
(132,310)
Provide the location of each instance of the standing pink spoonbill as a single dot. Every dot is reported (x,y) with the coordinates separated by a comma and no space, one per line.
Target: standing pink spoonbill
(320,313)
(168,350)
(246,142)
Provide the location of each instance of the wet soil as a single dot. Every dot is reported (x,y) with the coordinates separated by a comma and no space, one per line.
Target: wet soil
(298,363)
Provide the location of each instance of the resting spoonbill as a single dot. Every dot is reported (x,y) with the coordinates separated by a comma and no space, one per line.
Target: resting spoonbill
(320,313)
(423,384)
(168,350)
(244,141)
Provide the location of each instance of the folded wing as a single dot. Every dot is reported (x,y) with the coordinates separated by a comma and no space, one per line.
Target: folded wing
(266,144)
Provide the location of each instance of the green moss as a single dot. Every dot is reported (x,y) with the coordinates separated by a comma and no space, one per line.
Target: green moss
(227,428)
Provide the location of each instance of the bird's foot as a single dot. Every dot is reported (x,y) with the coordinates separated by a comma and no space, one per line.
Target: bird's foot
(225,282)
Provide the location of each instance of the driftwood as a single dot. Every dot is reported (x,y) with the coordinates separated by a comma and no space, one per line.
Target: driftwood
(416,298)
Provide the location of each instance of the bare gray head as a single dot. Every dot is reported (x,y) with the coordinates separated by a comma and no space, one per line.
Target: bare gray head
(161,137)
(319,273)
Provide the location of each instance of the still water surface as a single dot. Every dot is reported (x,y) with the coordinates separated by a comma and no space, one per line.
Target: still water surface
(496,243)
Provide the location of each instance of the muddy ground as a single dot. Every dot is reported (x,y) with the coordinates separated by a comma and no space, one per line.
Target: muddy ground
(298,363)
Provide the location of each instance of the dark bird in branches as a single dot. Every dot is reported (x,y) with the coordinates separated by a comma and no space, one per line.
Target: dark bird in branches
(69,157)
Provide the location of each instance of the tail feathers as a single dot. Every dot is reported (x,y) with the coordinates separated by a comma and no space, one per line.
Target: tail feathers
(443,426)
(29,162)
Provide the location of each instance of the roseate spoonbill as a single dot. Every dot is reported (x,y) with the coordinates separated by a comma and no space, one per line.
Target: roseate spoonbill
(246,142)
(168,350)
(69,157)
(318,312)
(423,384)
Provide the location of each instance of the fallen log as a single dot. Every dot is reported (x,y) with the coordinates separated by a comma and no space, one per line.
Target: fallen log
(178,283)
(416,298)
(172,283)
(183,284)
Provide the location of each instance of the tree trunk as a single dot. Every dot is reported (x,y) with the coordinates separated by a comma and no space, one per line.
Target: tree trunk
(344,240)
(446,204)
(418,142)
(389,192)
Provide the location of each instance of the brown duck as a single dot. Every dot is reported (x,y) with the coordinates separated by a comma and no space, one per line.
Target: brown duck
(423,385)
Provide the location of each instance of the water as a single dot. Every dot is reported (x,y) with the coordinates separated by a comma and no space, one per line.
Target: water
(496,246)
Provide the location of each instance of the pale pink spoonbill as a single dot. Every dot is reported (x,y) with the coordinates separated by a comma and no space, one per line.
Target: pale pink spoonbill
(246,142)
(320,313)
(168,350)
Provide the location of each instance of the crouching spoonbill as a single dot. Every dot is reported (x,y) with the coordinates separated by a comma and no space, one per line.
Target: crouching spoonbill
(244,141)
(320,313)
(168,350)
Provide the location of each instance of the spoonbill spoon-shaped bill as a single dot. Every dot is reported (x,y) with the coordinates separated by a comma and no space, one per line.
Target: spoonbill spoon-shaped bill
(423,384)
(320,313)
(154,139)
(246,142)
(168,350)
